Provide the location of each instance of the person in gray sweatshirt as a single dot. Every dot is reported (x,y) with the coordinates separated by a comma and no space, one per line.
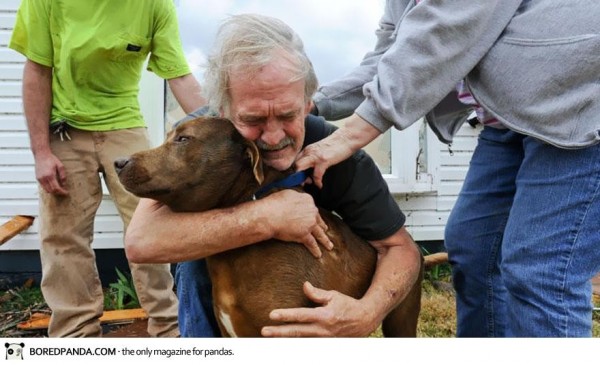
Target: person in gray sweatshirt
(523,236)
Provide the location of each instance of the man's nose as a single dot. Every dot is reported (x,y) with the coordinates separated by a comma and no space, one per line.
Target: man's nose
(272,133)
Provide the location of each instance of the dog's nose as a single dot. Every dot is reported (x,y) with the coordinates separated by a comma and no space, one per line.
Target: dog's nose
(120,163)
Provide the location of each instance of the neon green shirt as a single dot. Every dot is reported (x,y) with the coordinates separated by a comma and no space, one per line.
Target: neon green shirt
(97,49)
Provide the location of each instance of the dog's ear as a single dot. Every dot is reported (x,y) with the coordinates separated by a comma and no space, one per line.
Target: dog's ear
(257,167)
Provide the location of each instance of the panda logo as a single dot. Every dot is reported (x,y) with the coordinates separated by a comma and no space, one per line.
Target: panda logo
(14,351)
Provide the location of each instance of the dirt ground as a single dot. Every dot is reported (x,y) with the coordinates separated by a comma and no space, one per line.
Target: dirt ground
(437,320)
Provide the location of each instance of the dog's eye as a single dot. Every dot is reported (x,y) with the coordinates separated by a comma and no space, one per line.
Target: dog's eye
(182,139)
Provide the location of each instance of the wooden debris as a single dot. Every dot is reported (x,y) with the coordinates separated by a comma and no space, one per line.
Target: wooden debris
(14,226)
(39,321)
(435,259)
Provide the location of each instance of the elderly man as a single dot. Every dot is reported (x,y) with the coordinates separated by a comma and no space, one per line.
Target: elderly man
(260,78)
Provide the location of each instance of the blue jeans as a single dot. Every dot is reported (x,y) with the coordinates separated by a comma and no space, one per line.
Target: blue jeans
(194,290)
(524,238)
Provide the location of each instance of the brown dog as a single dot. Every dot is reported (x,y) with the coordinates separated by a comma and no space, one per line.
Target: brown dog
(205,164)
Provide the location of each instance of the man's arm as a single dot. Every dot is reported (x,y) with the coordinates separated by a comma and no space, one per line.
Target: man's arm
(187,92)
(37,103)
(158,235)
(398,268)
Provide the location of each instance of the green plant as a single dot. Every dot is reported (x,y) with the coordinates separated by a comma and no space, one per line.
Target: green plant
(20,298)
(441,272)
(122,294)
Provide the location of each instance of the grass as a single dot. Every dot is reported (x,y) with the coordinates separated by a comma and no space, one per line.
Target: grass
(438,315)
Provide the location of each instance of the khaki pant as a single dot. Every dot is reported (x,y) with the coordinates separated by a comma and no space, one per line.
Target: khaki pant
(70,282)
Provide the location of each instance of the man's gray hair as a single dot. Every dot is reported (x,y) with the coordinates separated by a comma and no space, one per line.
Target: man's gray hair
(249,42)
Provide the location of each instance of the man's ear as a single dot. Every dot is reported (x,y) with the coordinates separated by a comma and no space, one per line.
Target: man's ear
(308,107)
(257,167)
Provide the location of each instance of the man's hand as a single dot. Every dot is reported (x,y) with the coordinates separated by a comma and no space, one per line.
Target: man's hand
(51,174)
(338,316)
(295,218)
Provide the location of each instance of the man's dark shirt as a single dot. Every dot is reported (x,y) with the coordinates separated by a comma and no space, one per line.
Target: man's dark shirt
(355,190)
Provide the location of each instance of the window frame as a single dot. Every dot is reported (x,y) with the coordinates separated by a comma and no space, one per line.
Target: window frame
(415,160)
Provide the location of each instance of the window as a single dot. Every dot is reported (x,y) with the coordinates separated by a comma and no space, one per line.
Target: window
(414,160)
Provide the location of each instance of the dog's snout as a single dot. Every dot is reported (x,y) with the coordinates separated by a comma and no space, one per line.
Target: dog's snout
(120,163)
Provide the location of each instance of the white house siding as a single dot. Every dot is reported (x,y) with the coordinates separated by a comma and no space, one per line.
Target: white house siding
(18,187)
(426,214)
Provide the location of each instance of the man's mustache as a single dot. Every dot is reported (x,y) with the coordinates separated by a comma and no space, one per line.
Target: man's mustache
(287,141)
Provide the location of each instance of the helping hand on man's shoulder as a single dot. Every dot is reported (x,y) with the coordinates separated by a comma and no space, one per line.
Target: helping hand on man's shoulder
(354,134)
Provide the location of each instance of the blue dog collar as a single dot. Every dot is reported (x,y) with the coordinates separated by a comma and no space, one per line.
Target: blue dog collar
(290,181)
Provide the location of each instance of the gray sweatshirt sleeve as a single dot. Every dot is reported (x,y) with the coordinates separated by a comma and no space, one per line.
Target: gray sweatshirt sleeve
(339,99)
(437,43)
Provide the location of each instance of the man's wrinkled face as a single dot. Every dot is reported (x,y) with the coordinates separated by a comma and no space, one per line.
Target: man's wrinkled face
(269,109)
